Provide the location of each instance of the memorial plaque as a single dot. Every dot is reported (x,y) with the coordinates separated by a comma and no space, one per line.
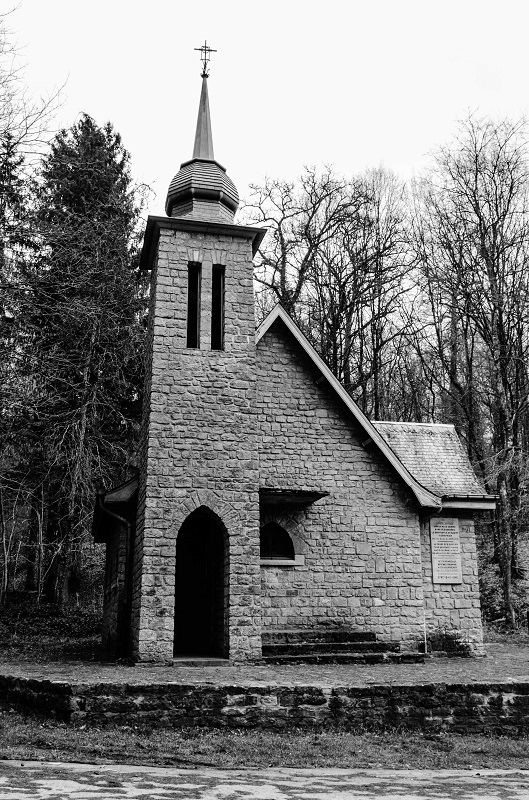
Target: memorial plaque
(446,550)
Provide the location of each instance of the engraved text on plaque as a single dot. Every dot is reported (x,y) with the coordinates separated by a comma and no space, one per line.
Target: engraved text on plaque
(446,550)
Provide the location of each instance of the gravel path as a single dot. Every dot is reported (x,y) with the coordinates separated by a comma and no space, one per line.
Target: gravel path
(34,781)
(503,664)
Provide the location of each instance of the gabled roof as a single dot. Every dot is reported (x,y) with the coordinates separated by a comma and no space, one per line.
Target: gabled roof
(428,492)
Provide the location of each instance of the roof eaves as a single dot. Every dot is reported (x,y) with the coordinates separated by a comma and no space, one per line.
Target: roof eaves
(122,493)
(473,502)
(424,496)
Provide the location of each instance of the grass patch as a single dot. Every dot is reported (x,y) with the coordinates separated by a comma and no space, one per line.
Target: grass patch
(31,738)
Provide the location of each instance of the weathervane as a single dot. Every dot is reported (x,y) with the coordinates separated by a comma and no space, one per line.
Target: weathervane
(205,51)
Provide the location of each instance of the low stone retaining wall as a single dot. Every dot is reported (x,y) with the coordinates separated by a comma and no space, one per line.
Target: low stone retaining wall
(462,708)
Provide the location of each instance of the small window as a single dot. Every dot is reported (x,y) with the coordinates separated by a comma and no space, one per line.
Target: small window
(193,304)
(217,308)
(276,543)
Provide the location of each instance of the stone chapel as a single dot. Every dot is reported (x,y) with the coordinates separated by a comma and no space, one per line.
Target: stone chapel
(270,517)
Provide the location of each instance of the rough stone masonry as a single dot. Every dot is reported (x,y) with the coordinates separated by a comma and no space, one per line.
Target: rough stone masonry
(200,440)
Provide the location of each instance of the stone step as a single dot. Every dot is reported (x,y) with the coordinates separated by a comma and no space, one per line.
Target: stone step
(348,658)
(302,636)
(313,648)
(199,661)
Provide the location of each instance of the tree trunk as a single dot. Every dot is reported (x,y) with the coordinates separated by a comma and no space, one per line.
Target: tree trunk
(506,550)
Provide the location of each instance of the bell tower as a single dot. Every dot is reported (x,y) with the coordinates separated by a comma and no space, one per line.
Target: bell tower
(196,581)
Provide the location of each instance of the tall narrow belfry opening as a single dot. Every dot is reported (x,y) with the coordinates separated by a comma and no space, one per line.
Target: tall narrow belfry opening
(194,282)
(217,307)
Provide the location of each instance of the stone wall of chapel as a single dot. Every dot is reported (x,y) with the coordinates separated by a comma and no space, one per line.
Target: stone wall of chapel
(454,606)
(199,439)
(361,545)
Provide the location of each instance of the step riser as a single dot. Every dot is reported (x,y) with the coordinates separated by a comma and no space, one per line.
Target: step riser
(336,658)
(331,647)
(316,636)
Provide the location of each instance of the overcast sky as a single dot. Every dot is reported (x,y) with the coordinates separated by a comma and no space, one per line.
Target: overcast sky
(352,83)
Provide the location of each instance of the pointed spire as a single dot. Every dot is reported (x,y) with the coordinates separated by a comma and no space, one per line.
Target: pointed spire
(201,189)
(203,137)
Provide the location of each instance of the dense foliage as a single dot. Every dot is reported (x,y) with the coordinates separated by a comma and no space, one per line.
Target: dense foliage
(73,334)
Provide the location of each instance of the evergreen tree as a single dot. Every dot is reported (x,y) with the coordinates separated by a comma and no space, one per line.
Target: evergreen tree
(14,239)
(12,390)
(83,311)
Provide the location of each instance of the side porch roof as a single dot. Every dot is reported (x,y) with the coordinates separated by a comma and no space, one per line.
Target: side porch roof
(117,505)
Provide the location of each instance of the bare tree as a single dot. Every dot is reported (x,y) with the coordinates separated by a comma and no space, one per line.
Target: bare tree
(360,287)
(24,119)
(302,220)
(473,242)
(337,258)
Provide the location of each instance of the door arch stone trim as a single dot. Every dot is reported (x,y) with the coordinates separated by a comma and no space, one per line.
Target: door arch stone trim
(210,500)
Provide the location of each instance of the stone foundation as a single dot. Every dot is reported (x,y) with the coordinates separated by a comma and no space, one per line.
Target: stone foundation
(501,708)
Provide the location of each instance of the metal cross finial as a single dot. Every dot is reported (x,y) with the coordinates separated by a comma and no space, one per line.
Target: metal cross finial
(204,56)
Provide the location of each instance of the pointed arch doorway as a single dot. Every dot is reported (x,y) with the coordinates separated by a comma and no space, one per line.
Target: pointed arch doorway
(201,586)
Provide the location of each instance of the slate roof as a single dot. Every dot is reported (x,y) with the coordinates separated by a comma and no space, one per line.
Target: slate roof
(434,455)
(203,180)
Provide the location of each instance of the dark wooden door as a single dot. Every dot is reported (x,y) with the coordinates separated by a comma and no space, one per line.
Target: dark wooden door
(199,589)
